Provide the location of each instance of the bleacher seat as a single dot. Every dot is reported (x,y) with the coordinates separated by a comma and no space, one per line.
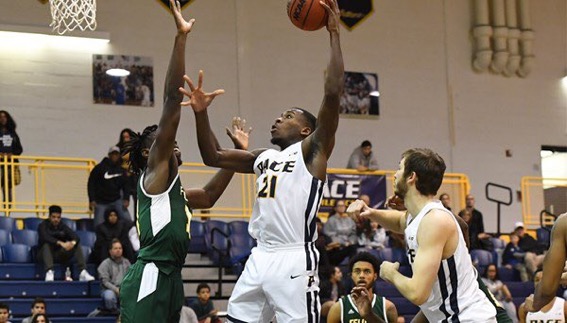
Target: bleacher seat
(7,223)
(5,237)
(27,237)
(70,223)
(394,255)
(508,274)
(27,288)
(520,289)
(481,259)
(240,247)
(218,249)
(198,244)
(404,306)
(498,243)
(86,252)
(543,237)
(1,256)
(32,223)
(211,225)
(238,227)
(85,225)
(56,307)
(87,238)
(17,253)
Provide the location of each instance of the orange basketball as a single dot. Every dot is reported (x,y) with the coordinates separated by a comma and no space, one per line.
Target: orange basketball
(307,14)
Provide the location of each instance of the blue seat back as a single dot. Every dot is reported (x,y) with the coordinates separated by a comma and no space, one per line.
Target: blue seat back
(32,223)
(5,237)
(17,253)
(7,223)
(70,223)
(238,227)
(543,236)
(85,224)
(88,238)
(27,237)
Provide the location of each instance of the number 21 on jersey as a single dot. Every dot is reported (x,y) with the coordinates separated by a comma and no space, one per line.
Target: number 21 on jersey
(268,189)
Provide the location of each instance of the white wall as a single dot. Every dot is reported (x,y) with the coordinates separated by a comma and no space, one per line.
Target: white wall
(430,97)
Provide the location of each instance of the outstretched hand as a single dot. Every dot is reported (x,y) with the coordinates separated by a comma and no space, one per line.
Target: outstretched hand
(183,26)
(333,13)
(198,99)
(358,209)
(239,135)
(362,300)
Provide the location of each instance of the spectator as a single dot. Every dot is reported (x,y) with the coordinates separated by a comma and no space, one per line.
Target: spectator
(330,288)
(57,242)
(4,313)
(513,257)
(324,244)
(479,238)
(554,311)
(111,272)
(374,239)
(131,179)
(203,306)
(500,291)
(38,307)
(534,252)
(108,187)
(362,158)
(40,318)
(112,228)
(340,227)
(445,200)
(10,146)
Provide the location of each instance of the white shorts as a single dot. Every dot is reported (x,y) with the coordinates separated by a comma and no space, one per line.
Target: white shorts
(281,282)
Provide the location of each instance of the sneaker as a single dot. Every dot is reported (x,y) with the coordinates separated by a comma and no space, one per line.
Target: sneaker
(49,276)
(85,276)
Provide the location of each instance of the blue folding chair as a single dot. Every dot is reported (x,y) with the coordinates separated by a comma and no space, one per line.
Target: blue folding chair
(481,259)
(5,237)
(70,223)
(543,237)
(85,225)
(27,237)
(198,244)
(7,223)
(87,238)
(32,223)
(17,253)
(238,227)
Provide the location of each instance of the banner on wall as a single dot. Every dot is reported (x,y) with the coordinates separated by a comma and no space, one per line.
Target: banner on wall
(183,3)
(351,187)
(354,12)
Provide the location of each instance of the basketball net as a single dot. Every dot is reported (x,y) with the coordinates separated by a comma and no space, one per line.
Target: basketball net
(67,15)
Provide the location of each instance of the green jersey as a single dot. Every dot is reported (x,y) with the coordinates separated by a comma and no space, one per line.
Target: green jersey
(349,311)
(163,226)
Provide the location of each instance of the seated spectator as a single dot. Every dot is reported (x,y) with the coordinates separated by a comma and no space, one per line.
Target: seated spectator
(40,318)
(500,291)
(38,307)
(362,158)
(478,240)
(555,311)
(374,239)
(57,242)
(513,257)
(112,228)
(203,306)
(330,288)
(445,200)
(341,228)
(4,313)
(111,272)
(534,251)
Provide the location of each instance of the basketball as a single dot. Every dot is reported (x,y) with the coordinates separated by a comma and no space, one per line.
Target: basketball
(307,14)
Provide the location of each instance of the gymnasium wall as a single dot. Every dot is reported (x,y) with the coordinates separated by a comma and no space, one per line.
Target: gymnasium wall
(430,97)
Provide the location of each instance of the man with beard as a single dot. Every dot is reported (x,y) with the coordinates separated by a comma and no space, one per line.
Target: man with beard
(362,305)
(444,282)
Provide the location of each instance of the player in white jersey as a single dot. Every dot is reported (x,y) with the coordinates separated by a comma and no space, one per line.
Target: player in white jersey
(552,312)
(552,267)
(444,283)
(280,277)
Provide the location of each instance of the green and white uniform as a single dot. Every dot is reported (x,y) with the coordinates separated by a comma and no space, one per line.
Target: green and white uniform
(152,290)
(349,311)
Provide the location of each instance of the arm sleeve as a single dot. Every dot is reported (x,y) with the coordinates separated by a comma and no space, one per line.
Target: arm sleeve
(91,186)
(44,236)
(70,234)
(353,161)
(17,147)
(104,275)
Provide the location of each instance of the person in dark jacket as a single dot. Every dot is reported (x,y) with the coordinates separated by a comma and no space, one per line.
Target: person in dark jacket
(57,242)
(10,146)
(108,187)
(112,228)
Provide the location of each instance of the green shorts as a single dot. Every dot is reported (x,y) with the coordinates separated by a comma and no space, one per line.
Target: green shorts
(149,295)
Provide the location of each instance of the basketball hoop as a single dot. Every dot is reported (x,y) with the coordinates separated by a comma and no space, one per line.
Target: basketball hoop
(67,15)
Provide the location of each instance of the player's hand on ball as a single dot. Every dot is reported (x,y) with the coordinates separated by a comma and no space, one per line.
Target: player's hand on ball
(198,99)
(183,26)
(387,270)
(334,14)
(239,135)
(396,203)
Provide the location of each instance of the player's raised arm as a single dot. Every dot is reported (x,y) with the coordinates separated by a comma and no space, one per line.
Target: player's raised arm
(322,140)
(212,153)
(392,220)
(161,170)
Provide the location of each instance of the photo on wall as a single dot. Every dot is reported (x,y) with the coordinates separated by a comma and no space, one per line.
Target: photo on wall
(360,98)
(123,80)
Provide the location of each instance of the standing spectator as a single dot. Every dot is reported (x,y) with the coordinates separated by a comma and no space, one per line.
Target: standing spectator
(203,306)
(513,257)
(38,307)
(500,291)
(445,200)
(57,242)
(4,313)
(476,226)
(111,272)
(112,228)
(534,252)
(362,158)
(340,227)
(10,146)
(108,187)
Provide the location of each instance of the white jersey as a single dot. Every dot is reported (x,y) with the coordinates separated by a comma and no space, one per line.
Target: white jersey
(555,315)
(287,200)
(455,296)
